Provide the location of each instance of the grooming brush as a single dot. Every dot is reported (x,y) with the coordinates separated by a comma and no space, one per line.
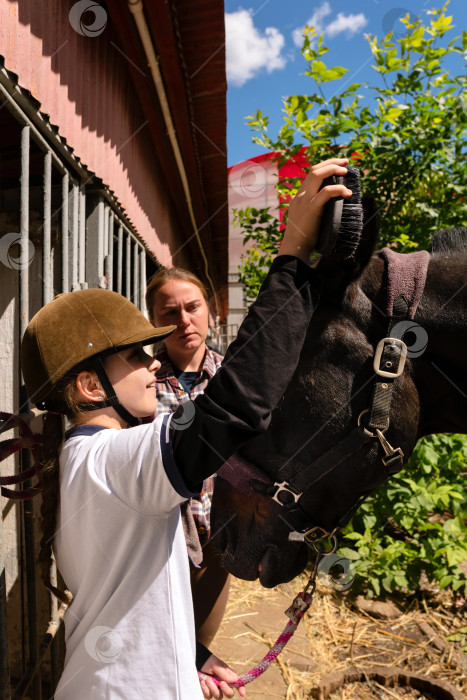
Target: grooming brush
(342,222)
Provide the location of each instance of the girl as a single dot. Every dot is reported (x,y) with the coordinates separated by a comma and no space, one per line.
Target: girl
(177,296)
(117,531)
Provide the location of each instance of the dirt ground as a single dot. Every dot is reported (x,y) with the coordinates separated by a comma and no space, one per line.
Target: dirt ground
(335,636)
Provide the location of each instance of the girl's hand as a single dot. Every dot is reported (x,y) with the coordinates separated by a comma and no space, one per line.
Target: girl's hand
(215,667)
(306,208)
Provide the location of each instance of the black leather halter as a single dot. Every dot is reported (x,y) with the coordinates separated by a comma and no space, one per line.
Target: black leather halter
(388,363)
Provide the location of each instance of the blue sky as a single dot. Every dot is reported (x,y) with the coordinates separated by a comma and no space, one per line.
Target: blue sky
(264,63)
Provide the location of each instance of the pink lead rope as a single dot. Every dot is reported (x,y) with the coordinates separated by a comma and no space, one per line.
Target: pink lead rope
(296,611)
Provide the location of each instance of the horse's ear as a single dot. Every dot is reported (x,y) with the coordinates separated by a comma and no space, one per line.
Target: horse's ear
(340,273)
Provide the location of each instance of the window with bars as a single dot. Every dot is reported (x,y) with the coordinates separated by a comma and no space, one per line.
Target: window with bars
(60,230)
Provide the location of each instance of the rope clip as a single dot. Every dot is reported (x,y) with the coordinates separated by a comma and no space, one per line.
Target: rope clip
(299,606)
(393,458)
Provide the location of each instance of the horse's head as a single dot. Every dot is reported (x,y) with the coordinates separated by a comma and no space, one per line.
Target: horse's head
(331,387)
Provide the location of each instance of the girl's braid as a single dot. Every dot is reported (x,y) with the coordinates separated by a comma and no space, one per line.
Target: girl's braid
(52,435)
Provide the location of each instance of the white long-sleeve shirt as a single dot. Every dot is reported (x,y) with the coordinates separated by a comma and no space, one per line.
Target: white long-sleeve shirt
(121,550)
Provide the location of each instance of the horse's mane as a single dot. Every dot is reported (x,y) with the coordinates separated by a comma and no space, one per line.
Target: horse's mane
(450,240)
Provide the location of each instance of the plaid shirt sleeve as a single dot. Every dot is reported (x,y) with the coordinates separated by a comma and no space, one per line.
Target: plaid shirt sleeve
(170,394)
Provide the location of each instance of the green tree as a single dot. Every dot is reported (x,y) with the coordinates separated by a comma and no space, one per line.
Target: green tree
(409,141)
(407,134)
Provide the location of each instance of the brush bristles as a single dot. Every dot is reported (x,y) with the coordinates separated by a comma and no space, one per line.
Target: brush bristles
(352,181)
(350,229)
(342,221)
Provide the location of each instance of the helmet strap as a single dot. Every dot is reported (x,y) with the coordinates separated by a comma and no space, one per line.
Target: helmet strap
(111,400)
(111,397)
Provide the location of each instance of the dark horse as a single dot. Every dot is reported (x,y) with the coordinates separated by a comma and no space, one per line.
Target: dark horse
(330,389)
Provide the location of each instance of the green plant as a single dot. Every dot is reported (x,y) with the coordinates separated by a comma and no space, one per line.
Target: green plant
(407,134)
(261,227)
(415,524)
(460,636)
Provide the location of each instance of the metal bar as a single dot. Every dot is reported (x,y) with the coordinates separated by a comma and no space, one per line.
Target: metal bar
(135,297)
(30,556)
(105,237)
(25,457)
(82,240)
(120,259)
(74,237)
(65,253)
(142,278)
(54,622)
(100,239)
(48,638)
(105,245)
(23,310)
(4,668)
(110,250)
(128,268)
(24,233)
(47,284)
(101,242)
(8,100)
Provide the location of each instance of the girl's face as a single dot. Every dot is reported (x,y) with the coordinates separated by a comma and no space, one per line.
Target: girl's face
(182,304)
(131,372)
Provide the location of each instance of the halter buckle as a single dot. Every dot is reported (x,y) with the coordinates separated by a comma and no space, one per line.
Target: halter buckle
(311,536)
(284,487)
(315,534)
(379,351)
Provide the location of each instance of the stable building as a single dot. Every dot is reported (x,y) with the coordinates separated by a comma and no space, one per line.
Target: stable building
(112,164)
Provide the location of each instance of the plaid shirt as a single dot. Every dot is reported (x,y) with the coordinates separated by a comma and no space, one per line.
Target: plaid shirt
(170,394)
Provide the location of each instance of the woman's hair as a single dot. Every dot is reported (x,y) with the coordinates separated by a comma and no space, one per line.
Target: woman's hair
(171,274)
(53,434)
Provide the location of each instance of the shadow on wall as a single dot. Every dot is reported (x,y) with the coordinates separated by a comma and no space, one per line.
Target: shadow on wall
(111,126)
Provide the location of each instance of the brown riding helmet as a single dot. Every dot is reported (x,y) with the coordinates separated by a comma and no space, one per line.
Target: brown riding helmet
(77,326)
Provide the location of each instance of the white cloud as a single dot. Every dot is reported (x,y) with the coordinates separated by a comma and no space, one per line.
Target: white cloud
(248,50)
(346,23)
(343,23)
(316,21)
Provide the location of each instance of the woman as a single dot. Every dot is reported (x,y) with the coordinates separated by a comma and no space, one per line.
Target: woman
(176,296)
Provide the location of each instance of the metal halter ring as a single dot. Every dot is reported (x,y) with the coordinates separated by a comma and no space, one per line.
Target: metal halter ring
(365,430)
(324,553)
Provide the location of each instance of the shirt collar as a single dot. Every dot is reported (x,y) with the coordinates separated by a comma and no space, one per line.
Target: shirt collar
(88,429)
(209,365)
(166,369)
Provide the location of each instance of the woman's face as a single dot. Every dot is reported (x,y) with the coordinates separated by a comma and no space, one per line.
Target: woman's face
(182,304)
